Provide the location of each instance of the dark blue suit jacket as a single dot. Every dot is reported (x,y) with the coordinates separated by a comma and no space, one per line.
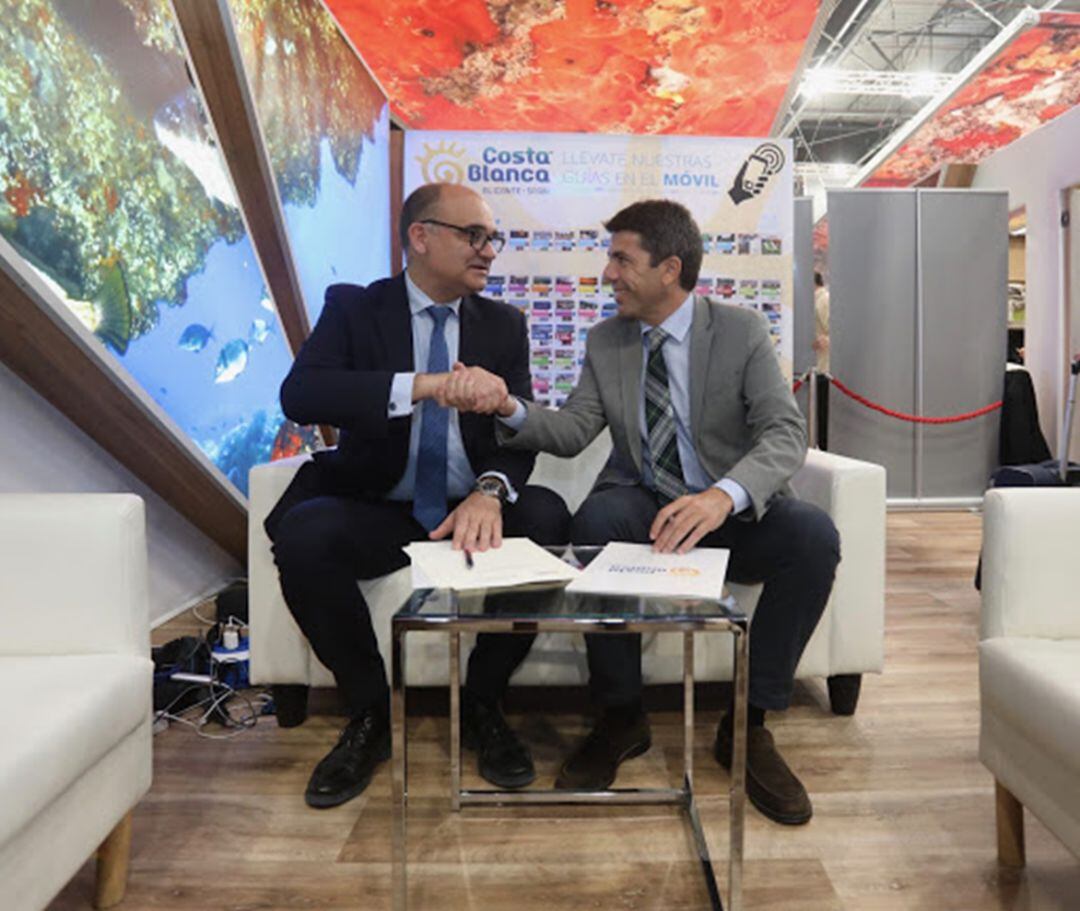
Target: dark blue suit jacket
(342,377)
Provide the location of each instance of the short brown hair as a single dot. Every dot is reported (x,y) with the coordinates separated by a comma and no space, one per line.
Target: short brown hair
(666,229)
(417,207)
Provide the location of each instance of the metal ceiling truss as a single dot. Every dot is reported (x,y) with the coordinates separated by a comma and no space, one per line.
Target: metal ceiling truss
(874,62)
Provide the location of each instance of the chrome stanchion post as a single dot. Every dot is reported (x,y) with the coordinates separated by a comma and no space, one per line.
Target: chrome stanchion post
(812,406)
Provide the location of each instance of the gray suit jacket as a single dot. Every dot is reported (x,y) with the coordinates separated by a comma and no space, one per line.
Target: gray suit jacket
(743,417)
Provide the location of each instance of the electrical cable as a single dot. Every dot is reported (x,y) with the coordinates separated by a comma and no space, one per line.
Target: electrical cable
(216,703)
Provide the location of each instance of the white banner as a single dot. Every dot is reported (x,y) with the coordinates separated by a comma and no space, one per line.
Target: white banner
(551,192)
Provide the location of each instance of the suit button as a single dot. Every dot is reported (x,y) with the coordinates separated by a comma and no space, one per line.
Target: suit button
(393,406)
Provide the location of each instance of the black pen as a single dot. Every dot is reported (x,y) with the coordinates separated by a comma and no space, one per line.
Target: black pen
(468,558)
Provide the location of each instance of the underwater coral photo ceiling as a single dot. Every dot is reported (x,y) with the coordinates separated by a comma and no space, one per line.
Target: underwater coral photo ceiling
(1034,78)
(326,126)
(719,67)
(113,190)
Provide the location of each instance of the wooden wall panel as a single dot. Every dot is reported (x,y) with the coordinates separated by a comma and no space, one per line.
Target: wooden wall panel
(397,195)
(220,75)
(50,358)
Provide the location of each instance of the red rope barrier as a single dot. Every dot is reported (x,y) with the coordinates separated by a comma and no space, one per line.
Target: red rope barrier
(798,385)
(913,418)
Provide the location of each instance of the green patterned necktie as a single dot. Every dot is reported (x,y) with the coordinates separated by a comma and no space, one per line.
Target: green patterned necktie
(660,421)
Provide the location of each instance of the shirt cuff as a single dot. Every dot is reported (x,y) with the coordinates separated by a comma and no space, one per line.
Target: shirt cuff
(511,494)
(515,420)
(737,492)
(401,403)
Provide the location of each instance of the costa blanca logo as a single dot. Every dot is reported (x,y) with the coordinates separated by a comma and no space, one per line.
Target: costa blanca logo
(444,163)
(512,166)
(765,161)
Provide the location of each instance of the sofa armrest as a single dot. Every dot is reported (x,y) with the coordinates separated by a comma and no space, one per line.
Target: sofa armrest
(1031,569)
(852,492)
(279,652)
(74,577)
(266,484)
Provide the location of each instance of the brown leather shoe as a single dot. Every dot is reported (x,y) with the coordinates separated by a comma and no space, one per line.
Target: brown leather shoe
(592,766)
(771,786)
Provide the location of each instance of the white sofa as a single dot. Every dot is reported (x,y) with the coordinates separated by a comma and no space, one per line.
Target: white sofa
(77,679)
(847,643)
(1029,662)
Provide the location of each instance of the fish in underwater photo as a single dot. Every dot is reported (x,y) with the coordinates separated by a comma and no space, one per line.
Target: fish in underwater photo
(231,362)
(260,330)
(195,337)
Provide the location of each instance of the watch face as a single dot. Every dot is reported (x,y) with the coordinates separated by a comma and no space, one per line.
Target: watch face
(493,487)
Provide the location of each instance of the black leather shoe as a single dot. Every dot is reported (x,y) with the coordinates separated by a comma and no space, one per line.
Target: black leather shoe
(502,758)
(770,784)
(346,770)
(592,766)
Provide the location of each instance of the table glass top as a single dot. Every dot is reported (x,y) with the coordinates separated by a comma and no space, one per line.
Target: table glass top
(553,602)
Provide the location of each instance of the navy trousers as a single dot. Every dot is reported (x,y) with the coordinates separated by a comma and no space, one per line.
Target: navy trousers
(794,550)
(323,545)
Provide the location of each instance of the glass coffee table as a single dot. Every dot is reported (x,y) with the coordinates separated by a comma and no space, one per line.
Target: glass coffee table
(552,609)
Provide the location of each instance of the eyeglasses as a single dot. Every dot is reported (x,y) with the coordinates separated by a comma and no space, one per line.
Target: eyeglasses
(477,237)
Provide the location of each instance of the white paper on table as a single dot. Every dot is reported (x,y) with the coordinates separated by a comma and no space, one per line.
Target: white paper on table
(636,569)
(435,564)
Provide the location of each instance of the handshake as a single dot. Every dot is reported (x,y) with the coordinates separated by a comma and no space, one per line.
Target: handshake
(466,389)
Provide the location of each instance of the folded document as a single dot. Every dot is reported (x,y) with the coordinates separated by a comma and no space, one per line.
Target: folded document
(518,561)
(636,569)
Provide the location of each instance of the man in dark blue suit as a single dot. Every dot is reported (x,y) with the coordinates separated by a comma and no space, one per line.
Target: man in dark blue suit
(382,364)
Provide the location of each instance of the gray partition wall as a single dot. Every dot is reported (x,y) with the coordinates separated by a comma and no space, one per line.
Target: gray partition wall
(917,324)
(803,296)
(872,327)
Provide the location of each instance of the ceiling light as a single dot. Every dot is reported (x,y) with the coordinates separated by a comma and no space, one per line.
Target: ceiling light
(834,81)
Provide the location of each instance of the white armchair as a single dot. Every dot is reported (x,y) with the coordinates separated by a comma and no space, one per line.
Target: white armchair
(74,663)
(1029,662)
(847,643)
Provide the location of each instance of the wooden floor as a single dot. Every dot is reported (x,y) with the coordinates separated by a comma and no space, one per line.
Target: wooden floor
(904,812)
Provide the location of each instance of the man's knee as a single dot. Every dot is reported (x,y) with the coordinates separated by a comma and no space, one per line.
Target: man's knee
(591,523)
(612,514)
(308,533)
(541,515)
(815,538)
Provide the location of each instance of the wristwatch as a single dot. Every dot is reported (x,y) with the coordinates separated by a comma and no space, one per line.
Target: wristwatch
(491,486)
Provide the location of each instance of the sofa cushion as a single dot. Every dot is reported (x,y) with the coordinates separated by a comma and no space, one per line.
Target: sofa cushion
(1034,684)
(72,710)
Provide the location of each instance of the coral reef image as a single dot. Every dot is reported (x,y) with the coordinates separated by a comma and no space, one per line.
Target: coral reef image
(326,124)
(628,66)
(1031,81)
(112,188)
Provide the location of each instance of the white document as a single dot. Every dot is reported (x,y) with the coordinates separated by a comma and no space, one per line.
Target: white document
(435,564)
(636,569)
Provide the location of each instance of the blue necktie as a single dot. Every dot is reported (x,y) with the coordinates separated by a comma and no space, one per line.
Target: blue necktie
(429,494)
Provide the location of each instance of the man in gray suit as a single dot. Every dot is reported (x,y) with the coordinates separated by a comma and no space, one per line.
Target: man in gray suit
(706,435)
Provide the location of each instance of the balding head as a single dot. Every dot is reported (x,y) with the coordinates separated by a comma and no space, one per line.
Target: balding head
(423,202)
(436,221)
